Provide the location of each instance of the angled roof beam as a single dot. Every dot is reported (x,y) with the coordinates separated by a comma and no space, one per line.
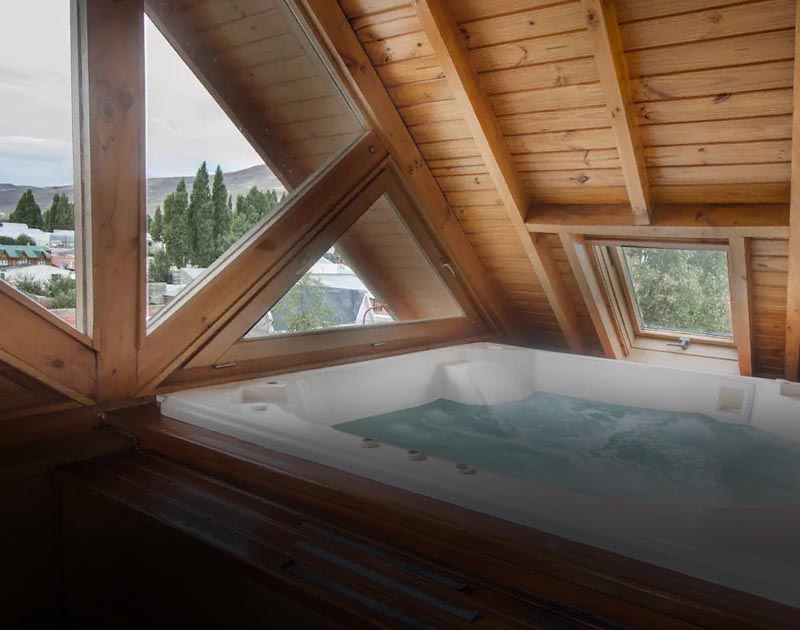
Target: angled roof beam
(601,20)
(452,54)
(578,257)
(793,287)
(367,88)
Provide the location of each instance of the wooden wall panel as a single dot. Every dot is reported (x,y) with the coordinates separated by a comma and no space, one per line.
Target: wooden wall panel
(769,265)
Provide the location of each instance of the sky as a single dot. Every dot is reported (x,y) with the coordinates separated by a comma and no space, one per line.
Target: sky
(184,124)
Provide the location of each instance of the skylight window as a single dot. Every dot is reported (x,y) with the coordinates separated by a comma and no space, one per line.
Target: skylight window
(683,291)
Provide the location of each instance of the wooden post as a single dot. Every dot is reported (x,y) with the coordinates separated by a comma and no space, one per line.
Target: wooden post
(741,305)
(114,52)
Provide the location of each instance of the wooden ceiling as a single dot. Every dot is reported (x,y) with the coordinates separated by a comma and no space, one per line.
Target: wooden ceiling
(525,110)
(708,85)
(710,81)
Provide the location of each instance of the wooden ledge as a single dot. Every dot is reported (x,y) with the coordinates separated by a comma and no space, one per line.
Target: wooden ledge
(511,555)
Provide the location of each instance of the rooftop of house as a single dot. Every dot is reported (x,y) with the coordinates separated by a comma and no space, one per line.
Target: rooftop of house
(29,251)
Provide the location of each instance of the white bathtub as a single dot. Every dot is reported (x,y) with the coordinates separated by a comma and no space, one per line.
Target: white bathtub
(755,549)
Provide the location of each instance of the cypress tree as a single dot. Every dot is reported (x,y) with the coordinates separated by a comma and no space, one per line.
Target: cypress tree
(47,220)
(200,221)
(60,215)
(27,211)
(222,213)
(175,233)
(157,225)
(159,268)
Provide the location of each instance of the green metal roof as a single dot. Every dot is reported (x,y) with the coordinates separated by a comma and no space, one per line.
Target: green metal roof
(16,251)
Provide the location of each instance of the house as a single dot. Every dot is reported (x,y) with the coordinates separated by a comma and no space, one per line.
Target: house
(23,255)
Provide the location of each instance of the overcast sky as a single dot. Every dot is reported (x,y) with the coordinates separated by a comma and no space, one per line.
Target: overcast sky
(184,124)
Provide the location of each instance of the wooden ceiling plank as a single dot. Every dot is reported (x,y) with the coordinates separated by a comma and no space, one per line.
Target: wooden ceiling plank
(792,355)
(739,259)
(372,95)
(451,51)
(601,20)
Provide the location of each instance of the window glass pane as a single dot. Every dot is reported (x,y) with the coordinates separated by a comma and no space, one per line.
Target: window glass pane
(682,290)
(214,174)
(375,274)
(37,209)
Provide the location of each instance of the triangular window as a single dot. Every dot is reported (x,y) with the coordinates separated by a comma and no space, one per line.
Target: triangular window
(235,124)
(375,274)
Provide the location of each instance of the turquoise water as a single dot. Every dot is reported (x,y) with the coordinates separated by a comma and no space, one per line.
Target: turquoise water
(658,457)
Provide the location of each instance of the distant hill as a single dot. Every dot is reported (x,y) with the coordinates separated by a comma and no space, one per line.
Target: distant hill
(238,183)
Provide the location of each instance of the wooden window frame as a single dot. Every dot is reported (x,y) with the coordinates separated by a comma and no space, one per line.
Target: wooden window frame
(270,151)
(612,270)
(265,355)
(82,331)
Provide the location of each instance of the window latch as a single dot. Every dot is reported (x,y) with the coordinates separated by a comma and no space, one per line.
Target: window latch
(682,343)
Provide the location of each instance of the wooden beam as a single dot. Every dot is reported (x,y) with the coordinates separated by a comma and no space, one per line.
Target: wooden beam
(601,20)
(114,41)
(451,53)
(366,87)
(668,221)
(167,16)
(593,297)
(36,346)
(793,287)
(741,304)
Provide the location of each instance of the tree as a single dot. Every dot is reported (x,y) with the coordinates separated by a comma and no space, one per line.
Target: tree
(27,211)
(60,290)
(175,235)
(157,226)
(159,268)
(200,222)
(252,208)
(221,212)
(24,239)
(305,307)
(60,215)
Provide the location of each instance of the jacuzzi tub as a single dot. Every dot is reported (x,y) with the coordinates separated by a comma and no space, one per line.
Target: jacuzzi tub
(751,548)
